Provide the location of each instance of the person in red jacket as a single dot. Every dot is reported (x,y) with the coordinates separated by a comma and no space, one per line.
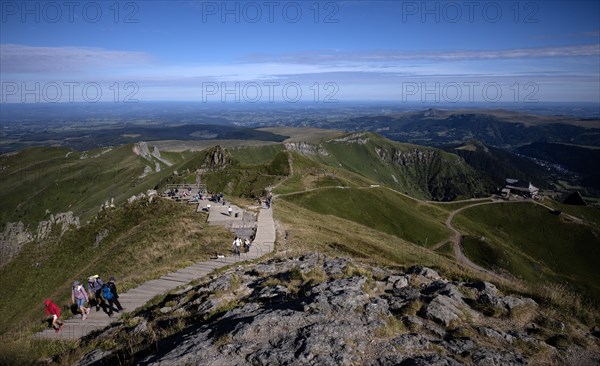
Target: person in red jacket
(53,315)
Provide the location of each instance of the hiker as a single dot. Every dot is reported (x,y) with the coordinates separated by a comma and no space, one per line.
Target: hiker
(246,245)
(260,201)
(95,284)
(110,294)
(237,243)
(79,294)
(53,315)
(229,210)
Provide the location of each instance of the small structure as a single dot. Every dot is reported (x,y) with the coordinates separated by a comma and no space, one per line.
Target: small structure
(514,186)
(575,199)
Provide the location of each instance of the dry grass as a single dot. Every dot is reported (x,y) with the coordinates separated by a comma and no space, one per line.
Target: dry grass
(305,231)
(163,237)
(391,327)
(412,308)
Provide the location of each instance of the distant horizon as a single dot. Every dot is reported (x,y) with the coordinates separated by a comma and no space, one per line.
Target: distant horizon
(567,109)
(307,103)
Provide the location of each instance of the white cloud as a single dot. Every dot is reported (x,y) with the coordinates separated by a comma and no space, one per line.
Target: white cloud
(366,74)
(329,57)
(27,59)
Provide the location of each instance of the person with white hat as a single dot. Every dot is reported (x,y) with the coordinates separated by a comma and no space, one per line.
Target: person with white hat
(95,284)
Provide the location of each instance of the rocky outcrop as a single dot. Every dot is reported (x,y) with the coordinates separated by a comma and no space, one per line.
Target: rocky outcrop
(216,158)
(306,148)
(64,220)
(150,194)
(106,205)
(444,177)
(147,171)
(12,239)
(101,235)
(316,310)
(15,234)
(141,149)
(415,157)
(355,138)
(156,152)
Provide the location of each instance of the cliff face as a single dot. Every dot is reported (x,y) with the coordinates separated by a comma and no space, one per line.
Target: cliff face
(423,172)
(442,177)
(216,158)
(12,239)
(16,235)
(316,310)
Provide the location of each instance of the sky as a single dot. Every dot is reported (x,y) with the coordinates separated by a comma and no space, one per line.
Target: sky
(300,51)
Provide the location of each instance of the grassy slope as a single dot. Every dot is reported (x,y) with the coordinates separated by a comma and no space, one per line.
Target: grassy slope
(57,180)
(256,154)
(145,241)
(308,231)
(380,209)
(530,242)
(589,214)
(444,175)
(310,173)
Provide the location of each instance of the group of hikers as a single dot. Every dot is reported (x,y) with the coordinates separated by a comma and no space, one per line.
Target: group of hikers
(98,294)
(105,295)
(177,194)
(237,245)
(266,200)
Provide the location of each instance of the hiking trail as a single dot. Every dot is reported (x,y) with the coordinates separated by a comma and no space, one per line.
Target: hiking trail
(263,243)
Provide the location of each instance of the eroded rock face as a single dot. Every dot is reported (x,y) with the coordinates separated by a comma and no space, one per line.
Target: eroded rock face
(355,138)
(16,234)
(415,157)
(306,148)
(316,310)
(63,219)
(216,158)
(141,149)
(12,239)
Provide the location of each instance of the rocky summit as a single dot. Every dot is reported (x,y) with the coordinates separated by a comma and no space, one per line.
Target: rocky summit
(316,310)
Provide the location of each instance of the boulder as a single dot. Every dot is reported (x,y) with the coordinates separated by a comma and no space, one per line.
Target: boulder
(271,313)
(94,357)
(448,311)
(425,272)
(398,282)
(487,357)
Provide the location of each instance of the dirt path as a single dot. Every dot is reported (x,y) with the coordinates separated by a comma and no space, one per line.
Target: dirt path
(456,237)
(456,241)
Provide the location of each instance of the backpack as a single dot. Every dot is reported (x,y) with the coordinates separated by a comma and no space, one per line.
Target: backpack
(107,293)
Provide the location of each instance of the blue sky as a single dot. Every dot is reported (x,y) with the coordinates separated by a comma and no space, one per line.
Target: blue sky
(435,51)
